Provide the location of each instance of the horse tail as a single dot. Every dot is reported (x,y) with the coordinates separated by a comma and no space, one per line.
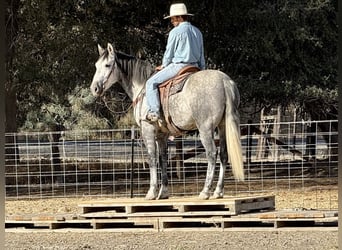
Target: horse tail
(232,121)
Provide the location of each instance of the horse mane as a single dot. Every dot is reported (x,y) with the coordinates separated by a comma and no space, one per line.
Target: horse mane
(133,68)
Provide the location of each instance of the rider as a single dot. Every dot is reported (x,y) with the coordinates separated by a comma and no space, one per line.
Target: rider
(184,47)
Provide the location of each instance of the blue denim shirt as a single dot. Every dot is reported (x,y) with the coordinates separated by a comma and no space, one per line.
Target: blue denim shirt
(184,45)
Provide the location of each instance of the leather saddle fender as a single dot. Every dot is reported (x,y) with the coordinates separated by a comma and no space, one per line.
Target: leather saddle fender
(171,87)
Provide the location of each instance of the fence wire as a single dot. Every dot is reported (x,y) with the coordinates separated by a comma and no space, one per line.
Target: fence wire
(278,157)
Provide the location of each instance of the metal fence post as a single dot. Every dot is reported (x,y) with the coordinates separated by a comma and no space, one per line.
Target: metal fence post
(132,160)
(249,142)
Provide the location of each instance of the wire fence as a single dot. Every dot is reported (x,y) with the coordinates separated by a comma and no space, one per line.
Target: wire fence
(286,156)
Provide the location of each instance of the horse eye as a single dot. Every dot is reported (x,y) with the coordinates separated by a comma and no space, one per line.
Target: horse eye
(108,65)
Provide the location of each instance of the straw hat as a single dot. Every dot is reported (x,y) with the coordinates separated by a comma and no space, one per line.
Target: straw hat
(178,9)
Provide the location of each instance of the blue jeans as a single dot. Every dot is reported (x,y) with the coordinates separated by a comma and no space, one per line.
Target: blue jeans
(152,92)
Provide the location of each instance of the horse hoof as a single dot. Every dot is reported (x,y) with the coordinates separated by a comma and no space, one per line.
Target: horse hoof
(163,194)
(218,195)
(151,195)
(203,196)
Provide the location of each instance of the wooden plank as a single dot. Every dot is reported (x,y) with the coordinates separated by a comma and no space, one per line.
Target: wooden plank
(18,218)
(109,214)
(170,224)
(297,214)
(255,204)
(125,223)
(41,217)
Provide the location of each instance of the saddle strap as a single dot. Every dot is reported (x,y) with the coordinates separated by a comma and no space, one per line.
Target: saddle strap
(174,130)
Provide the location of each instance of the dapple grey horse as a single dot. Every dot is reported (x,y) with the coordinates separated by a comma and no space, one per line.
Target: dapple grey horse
(209,100)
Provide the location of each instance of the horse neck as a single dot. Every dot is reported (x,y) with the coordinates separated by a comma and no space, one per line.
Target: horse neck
(134,72)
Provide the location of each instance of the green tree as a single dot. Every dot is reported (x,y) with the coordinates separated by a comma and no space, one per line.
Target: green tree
(270,48)
(277,48)
(57,48)
(11,25)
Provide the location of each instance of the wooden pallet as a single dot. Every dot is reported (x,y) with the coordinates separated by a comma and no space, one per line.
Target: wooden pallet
(257,221)
(175,207)
(72,222)
(176,214)
(235,222)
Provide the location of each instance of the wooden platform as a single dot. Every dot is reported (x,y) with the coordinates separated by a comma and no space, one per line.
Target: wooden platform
(175,207)
(175,214)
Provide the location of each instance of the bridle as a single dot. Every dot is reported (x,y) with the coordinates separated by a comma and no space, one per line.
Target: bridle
(105,80)
(139,97)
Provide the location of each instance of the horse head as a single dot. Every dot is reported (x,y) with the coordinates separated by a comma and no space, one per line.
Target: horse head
(104,76)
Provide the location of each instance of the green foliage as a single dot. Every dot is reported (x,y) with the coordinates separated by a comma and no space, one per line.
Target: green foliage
(272,49)
(78,115)
(271,43)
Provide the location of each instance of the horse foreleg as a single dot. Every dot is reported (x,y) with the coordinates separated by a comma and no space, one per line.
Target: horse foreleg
(153,190)
(210,148)
(163,191)
(151,150)
(218,193)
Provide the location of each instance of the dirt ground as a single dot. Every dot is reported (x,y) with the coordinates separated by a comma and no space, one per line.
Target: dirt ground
(309,198)
(273,240)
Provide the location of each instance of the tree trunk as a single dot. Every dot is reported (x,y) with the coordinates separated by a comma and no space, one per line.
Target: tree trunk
(12,7)
(56,169)
(311,142)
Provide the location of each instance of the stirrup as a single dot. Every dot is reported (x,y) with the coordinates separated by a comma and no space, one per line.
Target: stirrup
(152,117)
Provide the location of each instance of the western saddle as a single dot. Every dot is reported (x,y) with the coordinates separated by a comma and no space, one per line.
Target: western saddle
(171,87)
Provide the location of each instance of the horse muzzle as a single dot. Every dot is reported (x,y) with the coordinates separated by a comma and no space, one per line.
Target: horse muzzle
(97,89)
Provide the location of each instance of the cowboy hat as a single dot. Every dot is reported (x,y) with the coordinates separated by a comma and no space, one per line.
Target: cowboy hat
(178,9)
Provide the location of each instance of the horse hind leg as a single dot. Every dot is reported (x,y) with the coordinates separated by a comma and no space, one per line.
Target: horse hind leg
(219,191)
(208,142)
(152,192)
(162,146)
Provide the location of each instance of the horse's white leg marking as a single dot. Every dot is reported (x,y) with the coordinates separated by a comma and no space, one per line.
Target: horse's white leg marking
(150,143)
(218,193)
(208,142)
(152,192)
(162,144)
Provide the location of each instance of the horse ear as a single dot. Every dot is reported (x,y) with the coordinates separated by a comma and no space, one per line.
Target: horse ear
(110,48)
(140,54)
(100,49)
